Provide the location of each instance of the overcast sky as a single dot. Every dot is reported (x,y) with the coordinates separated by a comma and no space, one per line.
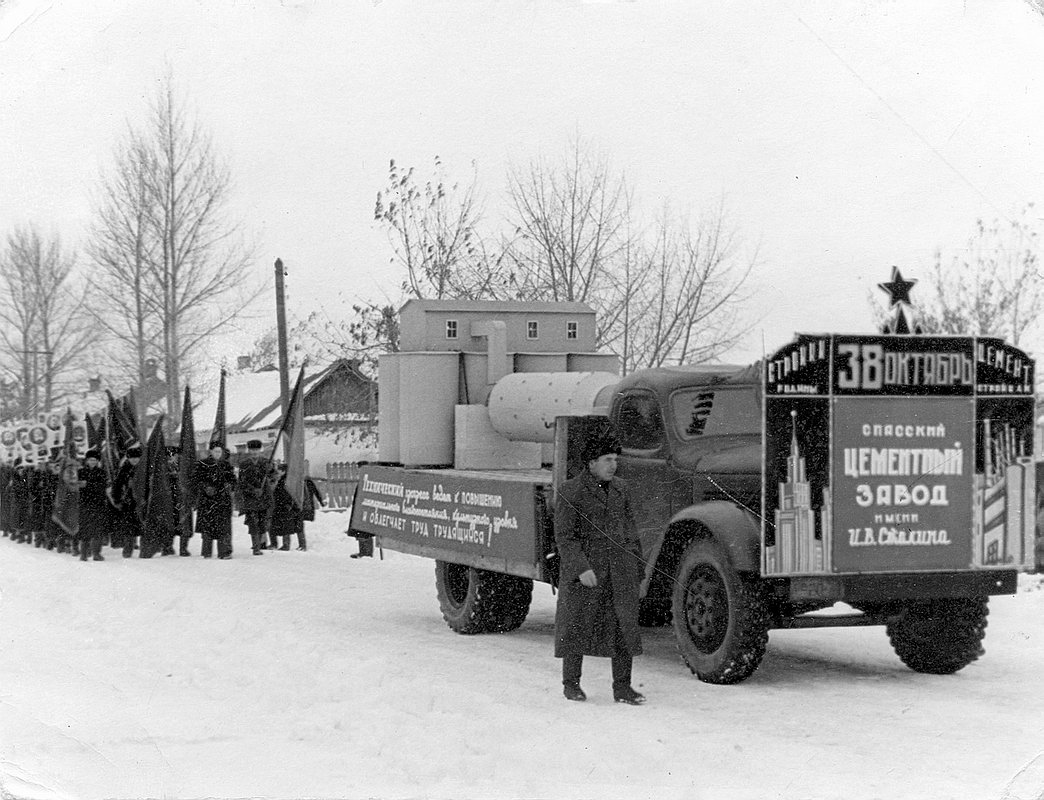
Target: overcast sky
(845,137)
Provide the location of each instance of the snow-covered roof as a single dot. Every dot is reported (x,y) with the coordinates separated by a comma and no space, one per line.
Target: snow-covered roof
(253,399)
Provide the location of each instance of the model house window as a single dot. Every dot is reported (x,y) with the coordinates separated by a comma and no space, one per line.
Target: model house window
(532,330)
(451,329)
(571,330)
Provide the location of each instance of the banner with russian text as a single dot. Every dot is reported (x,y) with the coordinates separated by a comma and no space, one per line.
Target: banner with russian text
(434,509)
(901,482)
(889,453)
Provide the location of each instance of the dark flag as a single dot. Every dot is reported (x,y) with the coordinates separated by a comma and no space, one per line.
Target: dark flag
(292,429)
(130,410)
(217,434)
(111,448)
(93,433)
(120,429)
(153,500)
(69,444)
(187,466)
(65,513)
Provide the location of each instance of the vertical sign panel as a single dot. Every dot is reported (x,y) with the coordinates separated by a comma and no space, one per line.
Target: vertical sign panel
(902,483)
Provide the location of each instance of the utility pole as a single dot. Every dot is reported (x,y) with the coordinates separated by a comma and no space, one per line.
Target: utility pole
(284,365)
(284,362)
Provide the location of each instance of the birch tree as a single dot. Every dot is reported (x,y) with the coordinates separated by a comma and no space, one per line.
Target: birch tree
(43,323)
(166,249)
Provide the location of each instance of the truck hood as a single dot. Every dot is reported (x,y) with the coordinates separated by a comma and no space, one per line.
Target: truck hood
(735,455)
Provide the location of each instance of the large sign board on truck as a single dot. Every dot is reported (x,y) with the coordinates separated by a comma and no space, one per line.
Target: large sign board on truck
(897,453)
(452,515)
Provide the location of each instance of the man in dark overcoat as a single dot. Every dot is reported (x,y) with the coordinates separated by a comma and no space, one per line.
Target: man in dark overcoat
(126,527)
(253,494)
(51,478)
(215,481)
(37,513)
(18,493)
(94,511)
(600,572)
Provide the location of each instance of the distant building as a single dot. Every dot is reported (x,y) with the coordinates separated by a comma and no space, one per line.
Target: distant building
(340,405)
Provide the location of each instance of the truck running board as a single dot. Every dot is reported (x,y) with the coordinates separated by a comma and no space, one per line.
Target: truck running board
(830,621)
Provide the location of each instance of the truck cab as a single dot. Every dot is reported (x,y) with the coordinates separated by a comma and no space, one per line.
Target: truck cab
(691,449)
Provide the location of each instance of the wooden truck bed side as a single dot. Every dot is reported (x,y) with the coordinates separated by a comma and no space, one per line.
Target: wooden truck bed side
(490,519)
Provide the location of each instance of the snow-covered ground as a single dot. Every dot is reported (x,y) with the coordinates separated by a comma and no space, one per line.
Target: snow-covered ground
(307,675)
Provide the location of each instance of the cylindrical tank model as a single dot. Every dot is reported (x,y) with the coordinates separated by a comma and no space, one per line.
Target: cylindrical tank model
(523,405)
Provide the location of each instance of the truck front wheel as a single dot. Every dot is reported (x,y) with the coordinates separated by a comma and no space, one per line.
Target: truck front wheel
(720,618)
(939,636)
(478,601)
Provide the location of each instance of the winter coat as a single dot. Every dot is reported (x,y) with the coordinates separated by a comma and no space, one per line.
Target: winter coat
(311,494)
(215,482)
(18,495)
(595,529)
(94,506)
(49,492)
(252,491)
(285,519)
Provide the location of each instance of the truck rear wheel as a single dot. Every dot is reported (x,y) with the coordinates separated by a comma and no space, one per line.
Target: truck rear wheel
(478,601)
(720,617)
(939,636)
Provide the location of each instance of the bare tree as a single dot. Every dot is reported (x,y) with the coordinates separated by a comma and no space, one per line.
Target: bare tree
(433,231)
(572,219)
(667,294)
(167,251)
(122,247)
(684,305)
(992,288)
(44,321)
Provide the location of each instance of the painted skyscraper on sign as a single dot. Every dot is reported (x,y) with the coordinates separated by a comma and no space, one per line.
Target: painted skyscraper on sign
(796,548)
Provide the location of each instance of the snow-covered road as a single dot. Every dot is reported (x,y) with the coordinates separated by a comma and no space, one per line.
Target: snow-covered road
(314,675)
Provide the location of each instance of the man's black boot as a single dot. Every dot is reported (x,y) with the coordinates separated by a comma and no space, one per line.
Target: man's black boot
(628,695)
(572,691)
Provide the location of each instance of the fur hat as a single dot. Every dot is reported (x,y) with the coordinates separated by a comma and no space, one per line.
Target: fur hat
(600,444)
(92,453)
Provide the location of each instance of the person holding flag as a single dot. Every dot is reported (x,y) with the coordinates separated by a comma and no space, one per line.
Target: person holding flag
(152,495)
(215,481)
(94,512)
(125,525)
(253,495)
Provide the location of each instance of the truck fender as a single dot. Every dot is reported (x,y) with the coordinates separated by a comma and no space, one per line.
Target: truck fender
(738,530)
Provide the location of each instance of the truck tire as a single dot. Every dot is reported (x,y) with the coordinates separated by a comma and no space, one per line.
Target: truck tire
(720,617)
(477,601)
(939,636)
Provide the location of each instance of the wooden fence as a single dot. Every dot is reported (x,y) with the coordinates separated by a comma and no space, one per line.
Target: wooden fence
(338,486)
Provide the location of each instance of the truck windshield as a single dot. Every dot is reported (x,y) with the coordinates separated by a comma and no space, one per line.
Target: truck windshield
(715,412)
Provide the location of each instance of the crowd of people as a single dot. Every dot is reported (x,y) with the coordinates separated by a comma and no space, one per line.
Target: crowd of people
(78,507)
